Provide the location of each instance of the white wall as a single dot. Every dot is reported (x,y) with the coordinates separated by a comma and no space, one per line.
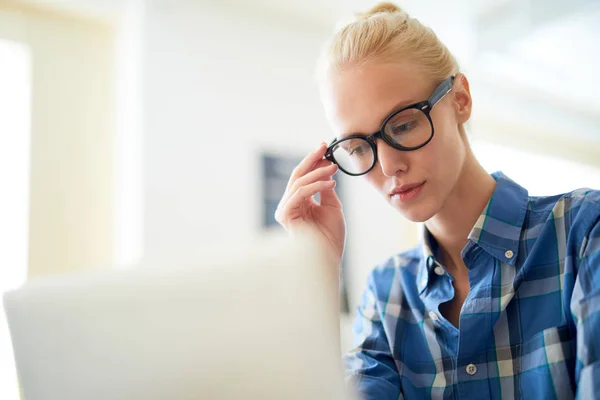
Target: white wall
(215,95)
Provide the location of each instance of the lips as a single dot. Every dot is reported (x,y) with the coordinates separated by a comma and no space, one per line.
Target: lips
(405,188)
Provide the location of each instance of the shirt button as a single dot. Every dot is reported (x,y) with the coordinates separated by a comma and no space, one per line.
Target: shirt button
(439,270)
(433,316)
(509,254)
(471,369)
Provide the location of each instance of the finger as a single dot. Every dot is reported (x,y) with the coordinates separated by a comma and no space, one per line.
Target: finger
(307,164)
(329,198)
(296,201)
(321,174)
(322,163)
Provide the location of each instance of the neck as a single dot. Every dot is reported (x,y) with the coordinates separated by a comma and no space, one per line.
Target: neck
(453,223)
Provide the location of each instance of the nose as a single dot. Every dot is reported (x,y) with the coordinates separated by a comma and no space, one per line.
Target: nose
(391,161)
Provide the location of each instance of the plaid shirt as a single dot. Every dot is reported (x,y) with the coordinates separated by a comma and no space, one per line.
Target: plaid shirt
(529,328)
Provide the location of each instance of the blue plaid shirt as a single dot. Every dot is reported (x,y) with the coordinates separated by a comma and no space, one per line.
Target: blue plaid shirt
(529,328)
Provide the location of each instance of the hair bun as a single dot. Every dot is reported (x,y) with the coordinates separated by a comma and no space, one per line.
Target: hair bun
(383,7)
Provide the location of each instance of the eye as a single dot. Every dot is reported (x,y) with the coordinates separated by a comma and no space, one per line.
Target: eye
(405,122)
(356,147)
(400,128)
(358,150)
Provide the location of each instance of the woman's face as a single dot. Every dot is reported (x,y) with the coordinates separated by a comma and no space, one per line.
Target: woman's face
(358,99)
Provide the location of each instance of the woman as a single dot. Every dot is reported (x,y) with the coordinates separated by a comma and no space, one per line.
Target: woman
(501,299)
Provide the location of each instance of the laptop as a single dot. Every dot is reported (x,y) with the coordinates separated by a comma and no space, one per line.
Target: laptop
(253,320)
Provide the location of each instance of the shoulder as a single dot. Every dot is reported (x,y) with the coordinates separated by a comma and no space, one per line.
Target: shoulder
(586,254)
(571,202)
(579,209)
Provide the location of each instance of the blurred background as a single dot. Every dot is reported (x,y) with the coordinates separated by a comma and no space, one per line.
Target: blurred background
(139,131)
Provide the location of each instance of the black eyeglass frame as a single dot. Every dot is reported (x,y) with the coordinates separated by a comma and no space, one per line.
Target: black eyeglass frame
(425,106)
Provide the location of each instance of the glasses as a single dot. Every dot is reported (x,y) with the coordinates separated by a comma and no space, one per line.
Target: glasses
(406,129)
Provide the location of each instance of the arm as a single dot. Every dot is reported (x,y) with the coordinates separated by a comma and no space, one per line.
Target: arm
(585,305)
(370,365)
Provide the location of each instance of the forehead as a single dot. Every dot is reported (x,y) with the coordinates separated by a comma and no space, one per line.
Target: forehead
(357,99)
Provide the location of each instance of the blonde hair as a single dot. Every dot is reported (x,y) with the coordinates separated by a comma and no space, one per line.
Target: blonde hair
(387,34)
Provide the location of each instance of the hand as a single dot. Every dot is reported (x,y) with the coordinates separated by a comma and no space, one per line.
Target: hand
(298,207)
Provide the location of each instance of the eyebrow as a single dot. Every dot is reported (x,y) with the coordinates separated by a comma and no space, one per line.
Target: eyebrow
(397,107)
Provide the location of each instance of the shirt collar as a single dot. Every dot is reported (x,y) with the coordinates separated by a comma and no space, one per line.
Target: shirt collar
(497,230)
(428,261)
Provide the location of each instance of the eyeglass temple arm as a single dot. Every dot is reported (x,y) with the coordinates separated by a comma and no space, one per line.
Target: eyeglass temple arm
(328,156)
(441,91)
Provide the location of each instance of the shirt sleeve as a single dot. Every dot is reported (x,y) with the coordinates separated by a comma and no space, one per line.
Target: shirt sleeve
(585,305)
(370,364)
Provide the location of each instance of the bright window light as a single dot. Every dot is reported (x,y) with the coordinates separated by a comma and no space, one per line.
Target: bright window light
(128,150)
(14,190)
(540,174)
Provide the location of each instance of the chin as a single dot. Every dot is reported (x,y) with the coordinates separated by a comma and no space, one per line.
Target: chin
(417,212)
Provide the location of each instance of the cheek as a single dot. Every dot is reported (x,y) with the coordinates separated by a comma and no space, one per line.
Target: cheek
(442,158)
(450,155)
(447,145)
(375,178)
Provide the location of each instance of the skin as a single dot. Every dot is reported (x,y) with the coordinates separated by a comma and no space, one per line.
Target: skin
(455,187)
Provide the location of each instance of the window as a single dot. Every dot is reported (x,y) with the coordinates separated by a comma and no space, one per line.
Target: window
(14,190)
(540,174)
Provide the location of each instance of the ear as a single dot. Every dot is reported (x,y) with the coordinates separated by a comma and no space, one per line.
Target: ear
(462,98)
